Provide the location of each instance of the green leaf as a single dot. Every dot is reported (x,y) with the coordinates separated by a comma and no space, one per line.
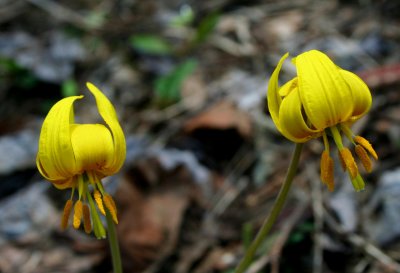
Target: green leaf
(206,27)
(150,44)
(69,88)
(247,234)
(168,87)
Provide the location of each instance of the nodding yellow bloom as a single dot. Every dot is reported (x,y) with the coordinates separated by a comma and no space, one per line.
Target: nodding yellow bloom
(78,156)
(322,100)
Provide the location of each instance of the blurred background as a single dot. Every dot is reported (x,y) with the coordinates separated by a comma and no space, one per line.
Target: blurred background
(204,160)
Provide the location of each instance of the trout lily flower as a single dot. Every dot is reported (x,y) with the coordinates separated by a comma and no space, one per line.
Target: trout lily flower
(78,156)
(323,100)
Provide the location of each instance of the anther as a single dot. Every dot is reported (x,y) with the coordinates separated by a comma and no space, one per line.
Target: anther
(77,214)
(327,170)
(110,205)
(99,202)
(66,214)
(366,145)
(87,224)
(364,158)
(342,163)
(349,162)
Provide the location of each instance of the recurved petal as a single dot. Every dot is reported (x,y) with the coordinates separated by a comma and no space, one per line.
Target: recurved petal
(326,97)
(109,115)
(55,159)
(291,119)
(65,184)
(273,97)
(362,98)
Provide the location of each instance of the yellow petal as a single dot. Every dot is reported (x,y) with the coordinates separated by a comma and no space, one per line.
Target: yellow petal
(55,159)
(107,112)
(274,99)
(326,97)
(291,120)
(93,146)
(361,95)
(288,87)
(64,184)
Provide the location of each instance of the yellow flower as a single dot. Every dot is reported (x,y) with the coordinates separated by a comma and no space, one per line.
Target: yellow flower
(78,156)
(322,100)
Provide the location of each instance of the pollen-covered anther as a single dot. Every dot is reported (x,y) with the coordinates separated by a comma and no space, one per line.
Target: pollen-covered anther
(366,145)
(327,170)
(110,205)
(364,158)
(99,201)
(66,214)
(342,163)
(87,224)
(77,214)
(349,162)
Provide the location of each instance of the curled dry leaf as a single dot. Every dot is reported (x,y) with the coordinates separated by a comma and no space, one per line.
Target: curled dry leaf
(221,116)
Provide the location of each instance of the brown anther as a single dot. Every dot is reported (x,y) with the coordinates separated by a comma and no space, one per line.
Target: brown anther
(87,224)
(99,201)
(110,205)
(327,170)
(364,158)
(366,145)
(66,214)
(77,214)
(349,162)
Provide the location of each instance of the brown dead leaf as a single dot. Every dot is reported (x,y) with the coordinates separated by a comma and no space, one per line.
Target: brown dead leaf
(223,115)
(150,215)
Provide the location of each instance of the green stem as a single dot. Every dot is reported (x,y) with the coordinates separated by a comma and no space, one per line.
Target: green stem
(114,247)
(276,209)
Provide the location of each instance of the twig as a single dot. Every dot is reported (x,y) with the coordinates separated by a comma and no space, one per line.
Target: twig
(360,242)
(274,255)
(284,235)
(11,9)
(62,13)
(316,197)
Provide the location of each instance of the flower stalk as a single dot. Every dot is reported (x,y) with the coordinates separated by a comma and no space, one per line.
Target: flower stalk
(78,156)
(113,240)
(276,209)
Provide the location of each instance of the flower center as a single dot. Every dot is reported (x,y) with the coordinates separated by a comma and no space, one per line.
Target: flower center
(92,198)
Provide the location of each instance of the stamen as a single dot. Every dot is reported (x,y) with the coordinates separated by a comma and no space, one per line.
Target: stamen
(363,156)
(110,205)
(66,214)
(342,163)
(99,202)
(327,170)
(77,214)
(87,224)
(349,162)
(347,132)
(365,143)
